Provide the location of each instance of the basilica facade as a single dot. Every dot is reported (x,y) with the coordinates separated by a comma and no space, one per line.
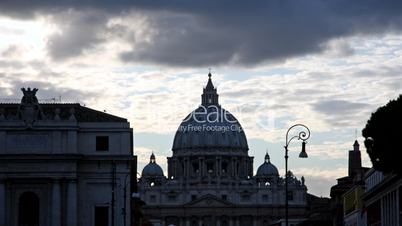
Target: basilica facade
(64,164)
(210,179)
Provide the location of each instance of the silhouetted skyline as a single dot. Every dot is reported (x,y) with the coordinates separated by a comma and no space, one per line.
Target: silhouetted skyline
(326,64)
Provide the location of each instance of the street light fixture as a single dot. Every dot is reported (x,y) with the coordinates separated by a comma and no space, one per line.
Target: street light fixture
(303,135)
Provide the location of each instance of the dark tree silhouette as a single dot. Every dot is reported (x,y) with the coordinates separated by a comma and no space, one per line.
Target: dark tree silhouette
(383,137)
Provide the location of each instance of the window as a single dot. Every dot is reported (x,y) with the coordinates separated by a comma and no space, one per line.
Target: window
(172,198)
(101,216)
(210,167)
(28,209)
(193,197)
(224,166)
(265,198)
(290,195)
(224,197)
(152,198)
(245,198)
(195,168)
(102,143)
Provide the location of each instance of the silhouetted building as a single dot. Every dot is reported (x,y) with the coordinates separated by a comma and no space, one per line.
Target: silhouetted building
(346,195)
(383,198)
(210,177)
(63,165)
(319,213)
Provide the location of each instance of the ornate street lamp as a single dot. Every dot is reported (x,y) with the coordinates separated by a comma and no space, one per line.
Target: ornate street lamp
(303,135)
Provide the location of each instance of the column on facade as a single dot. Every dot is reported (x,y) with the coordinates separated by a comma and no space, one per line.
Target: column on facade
(389,209)
(72,203)
(250,168)
(218,221)
(169,161)
(202,173)
(247,166)
(233,173)
(236,162)
(220,166)
(189,167)
(219,170)
(174,168)
(187,221)
(2,202)
(72,141)
(199,167)
(217,167)
(244,167)
(56,204)
(185,170)
(231,221)
(254,221)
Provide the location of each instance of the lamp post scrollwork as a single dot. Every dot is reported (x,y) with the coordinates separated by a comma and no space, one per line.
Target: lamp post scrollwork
(303,135)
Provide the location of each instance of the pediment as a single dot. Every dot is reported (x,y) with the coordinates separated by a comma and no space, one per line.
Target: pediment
(209,201)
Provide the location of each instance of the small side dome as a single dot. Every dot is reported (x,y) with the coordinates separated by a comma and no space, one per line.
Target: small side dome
(152,169)
(267,168)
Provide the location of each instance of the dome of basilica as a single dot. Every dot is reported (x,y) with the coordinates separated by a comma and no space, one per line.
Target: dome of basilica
(152,169)
(267,168)
(210,126)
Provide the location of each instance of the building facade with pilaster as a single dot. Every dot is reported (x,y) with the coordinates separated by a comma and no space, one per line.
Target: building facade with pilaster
(63,165)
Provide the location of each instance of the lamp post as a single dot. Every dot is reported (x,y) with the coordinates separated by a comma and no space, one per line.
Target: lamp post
(303,135)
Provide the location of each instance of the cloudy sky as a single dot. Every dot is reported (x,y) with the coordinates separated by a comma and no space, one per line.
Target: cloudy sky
(325,63)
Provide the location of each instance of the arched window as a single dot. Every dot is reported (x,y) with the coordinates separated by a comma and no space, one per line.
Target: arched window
(224,167)
(28,209)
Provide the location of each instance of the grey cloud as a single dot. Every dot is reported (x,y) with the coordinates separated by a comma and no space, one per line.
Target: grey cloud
(336,107)
(253,33)
(239,93)
(381,71)
(79,31)
(48,91)
(11,64)
(204,33)
(11,51)
(342,113)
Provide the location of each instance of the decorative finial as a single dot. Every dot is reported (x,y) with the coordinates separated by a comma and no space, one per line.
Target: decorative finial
(72,115)
(152,158)
(29,110)
(267,158)
(2,117)
(356,146)
(57,114)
